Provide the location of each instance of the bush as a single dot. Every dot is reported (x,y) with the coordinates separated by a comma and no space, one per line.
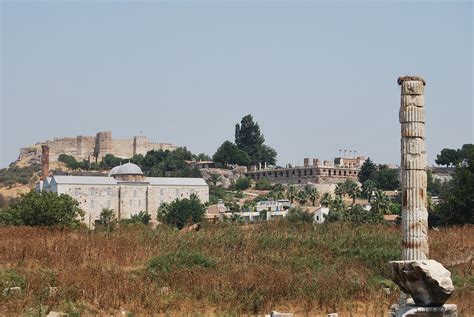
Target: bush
(180,213)
(263,184)
(359,215)
(18,175)
(43,209)
(180,259)
(242,183)
(11,278)
(140,218)
(298,215)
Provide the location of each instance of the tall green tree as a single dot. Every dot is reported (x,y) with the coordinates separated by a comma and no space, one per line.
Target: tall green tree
(366,170)
(386,178)
(229,153)
(250,139)
(448,157)
(457,206)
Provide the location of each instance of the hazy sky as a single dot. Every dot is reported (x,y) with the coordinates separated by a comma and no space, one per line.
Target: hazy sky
(317,76)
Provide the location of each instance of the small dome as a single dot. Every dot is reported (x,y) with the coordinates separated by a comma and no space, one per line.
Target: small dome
(126,169)
(113,171)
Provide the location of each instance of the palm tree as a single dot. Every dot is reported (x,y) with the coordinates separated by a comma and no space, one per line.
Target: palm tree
(214,178)
(312,194)
(338,205)
(352,189)
(291,193)
(326,200)
(369,186)
(302,197)
(340,190)
(381,203)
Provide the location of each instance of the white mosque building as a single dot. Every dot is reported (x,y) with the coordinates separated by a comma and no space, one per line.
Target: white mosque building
(125,190)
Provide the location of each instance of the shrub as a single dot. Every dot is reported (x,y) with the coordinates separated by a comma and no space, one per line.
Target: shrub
(21,175)
(43,209)
(359,215)
(180,259)
(263,184)
(142,217)
(298,215)
(242,183)
(11,278)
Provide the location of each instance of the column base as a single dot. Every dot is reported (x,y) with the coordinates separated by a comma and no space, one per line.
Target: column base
(447,310)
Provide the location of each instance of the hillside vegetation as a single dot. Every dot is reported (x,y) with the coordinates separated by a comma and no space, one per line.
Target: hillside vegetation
(221,269)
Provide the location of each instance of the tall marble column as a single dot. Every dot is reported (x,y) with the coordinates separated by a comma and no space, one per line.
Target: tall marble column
(413,169)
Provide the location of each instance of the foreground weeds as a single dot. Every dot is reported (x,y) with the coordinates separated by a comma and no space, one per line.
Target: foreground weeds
(221,269)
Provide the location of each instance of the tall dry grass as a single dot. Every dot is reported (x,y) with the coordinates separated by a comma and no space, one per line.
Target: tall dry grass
(256,268)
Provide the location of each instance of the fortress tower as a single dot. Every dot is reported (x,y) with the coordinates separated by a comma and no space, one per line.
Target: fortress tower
(103,144)
(140,144)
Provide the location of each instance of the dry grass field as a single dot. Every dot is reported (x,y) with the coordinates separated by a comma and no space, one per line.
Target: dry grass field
(223,269)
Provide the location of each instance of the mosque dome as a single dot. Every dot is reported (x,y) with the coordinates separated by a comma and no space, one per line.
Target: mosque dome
(126,169)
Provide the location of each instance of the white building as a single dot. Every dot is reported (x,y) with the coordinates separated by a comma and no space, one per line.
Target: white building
(125,190)
(320,214)
(272,205)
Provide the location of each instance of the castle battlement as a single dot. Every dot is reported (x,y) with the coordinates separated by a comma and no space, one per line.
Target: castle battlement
(94,148)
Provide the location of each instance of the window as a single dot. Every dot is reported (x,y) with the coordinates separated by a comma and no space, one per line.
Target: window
(139,203)
(310,172)
(131,203)
(305,173)
(92,204)
(109,192)
(162,192)
(77,191)
(92,192)
(135,193)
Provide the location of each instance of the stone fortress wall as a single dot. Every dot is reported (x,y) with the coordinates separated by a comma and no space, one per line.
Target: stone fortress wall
(94,147)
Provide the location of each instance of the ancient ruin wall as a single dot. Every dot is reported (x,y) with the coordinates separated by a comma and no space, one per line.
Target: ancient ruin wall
(123,148)
(90,147)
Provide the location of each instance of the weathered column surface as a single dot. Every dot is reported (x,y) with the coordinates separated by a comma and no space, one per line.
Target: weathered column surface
(413,169)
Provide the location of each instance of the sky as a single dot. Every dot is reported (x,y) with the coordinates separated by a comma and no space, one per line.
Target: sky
(317,76)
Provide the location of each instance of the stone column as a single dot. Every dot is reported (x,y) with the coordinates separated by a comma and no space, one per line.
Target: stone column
(413,169)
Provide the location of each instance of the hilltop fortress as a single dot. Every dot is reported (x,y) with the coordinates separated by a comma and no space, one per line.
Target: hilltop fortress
(93,147)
